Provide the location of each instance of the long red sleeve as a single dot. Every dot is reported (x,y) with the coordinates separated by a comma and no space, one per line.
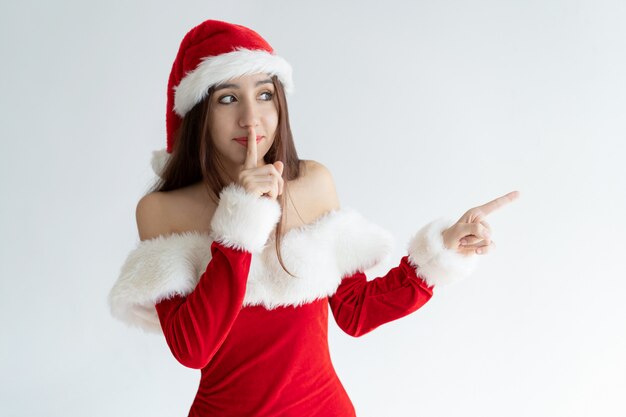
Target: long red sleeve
(196,325)
(359,306)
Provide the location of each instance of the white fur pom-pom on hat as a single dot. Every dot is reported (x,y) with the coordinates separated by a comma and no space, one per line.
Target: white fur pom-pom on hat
(435,263)
(159,160)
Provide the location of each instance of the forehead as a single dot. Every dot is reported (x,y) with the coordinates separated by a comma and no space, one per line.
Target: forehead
(245,81)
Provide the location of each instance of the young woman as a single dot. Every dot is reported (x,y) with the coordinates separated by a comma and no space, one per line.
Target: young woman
(244,245)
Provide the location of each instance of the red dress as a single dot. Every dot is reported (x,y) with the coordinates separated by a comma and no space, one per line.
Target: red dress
(259,335)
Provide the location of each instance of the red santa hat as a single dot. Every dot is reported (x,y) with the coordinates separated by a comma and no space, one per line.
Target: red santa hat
(211,53)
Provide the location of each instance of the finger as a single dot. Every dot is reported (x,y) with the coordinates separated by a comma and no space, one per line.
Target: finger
(483,250)
(477,244)
(266,188)
(262,179)
(477,230)
(281,183)
(251,154)
(268,181)
(480,220)
(498,202)
(266,171)
(473,215)
(280,167)
(273,190)
(470,240)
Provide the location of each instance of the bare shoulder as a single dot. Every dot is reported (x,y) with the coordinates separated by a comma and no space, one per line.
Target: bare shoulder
(152,216)
(323,183)
(186,209)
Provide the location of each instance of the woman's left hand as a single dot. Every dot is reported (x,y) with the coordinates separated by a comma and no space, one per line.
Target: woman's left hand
(471,233)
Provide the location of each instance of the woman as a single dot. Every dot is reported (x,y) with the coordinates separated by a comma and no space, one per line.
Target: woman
(243,244)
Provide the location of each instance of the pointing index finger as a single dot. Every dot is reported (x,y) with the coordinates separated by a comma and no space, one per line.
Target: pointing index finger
(498,202)
(251,155)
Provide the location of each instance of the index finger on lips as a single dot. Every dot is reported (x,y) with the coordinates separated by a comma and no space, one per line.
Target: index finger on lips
(498,202)
(251,154)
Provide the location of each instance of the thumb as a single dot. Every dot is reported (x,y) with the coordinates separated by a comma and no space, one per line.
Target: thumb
(279,166)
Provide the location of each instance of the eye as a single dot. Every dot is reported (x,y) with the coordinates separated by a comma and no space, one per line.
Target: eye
(228,99)
(222,101)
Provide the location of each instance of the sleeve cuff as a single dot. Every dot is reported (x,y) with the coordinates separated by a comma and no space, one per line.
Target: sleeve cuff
(243,220)
(433,262)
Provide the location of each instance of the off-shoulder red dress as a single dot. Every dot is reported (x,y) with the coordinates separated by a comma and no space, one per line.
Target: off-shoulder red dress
(260,336)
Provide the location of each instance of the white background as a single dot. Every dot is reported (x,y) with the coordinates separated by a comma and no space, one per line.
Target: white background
(420,109)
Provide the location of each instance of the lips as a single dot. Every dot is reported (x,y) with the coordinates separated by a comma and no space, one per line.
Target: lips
(244,139)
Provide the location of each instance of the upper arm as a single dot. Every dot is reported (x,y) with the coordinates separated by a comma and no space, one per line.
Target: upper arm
(151,216)
(325,186)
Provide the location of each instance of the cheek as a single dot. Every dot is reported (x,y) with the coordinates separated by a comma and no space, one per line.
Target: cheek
(271,120)
(218,124)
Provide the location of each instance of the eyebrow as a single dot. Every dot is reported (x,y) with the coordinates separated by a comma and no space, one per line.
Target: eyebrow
(258,83)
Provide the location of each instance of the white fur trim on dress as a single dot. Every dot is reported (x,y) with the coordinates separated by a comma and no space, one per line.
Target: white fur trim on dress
(319,254)
(159,160)
(158,268)
(194,86)
(244,220)
(435,263)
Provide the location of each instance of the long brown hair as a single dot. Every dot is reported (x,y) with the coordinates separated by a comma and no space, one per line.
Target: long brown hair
(194,157)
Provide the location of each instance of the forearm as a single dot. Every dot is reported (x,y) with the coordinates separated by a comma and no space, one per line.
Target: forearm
(196,325)
(359,306)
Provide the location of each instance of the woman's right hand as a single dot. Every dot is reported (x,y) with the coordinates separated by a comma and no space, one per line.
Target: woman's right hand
(260,180)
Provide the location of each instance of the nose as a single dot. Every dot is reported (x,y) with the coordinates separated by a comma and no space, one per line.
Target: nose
(249,115)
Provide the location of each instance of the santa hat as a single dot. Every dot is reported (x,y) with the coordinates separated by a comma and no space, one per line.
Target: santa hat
(211,53)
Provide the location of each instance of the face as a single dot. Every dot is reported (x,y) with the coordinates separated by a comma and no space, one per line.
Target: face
(237,104)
